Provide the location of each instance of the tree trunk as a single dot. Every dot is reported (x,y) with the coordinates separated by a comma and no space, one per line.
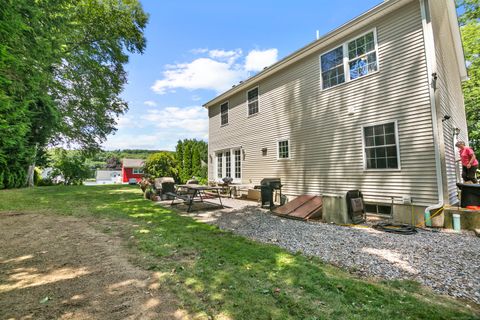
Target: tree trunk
(31,169)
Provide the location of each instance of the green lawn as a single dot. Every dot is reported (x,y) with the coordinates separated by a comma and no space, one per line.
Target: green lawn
(218,273)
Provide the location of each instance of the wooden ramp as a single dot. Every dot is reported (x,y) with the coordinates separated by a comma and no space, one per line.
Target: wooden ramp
(303,207)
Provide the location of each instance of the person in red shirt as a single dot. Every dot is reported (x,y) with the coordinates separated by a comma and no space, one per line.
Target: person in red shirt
(469,162)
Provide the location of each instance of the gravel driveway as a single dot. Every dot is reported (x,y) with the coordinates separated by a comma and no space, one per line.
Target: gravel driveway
(449,263)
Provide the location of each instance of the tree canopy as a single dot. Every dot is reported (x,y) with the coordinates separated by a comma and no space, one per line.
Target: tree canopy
(61,74)
(70,165)
(161,164)
(470,28)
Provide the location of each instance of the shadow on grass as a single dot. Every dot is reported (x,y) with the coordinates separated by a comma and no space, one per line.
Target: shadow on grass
(219,273)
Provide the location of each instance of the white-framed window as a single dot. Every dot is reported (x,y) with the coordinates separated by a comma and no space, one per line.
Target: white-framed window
(362,56)
(238,164)
(252,101)
(381,147)
(332,66)
(137,171)
(225,159)
(224,113)
(353,59)
(228,164)
(220,165)
(283,149)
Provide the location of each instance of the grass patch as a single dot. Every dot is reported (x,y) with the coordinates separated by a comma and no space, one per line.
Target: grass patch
(218,273)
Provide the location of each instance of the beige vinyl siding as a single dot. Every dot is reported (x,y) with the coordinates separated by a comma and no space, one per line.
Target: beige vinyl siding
(325,141)
(449,93)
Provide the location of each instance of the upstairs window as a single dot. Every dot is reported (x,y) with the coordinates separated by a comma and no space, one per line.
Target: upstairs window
(333,72)
(252,97)
(137,171)
(381,146)
(362,57)
(224,113)
(352,60)
(283,149)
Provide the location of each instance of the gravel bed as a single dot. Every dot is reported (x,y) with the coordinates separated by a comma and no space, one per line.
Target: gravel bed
(449,263)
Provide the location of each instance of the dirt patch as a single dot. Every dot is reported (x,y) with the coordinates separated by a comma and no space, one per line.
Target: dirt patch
(55,267)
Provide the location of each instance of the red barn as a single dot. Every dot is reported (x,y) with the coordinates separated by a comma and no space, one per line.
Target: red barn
(132,169)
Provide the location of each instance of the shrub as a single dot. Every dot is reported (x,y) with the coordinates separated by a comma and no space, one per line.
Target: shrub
(161,164)
(71,165)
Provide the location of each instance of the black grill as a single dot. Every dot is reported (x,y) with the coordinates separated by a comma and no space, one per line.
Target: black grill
(267,186)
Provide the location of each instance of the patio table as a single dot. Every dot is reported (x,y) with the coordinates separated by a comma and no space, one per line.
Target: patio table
(195,192)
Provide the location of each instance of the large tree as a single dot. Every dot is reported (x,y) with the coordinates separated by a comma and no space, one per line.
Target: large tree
(470,28)
(61,73)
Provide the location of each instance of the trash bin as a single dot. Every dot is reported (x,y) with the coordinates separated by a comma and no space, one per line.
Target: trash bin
(266,193)
(470,194)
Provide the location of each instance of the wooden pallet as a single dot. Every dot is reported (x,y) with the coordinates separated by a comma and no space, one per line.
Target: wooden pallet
(303,207)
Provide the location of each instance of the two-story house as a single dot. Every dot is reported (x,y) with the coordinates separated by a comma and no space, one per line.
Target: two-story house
(374,105)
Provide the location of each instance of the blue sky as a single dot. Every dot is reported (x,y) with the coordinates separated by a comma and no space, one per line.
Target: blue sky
(198,49)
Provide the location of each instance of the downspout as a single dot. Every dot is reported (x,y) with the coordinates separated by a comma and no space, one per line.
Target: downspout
(432,76)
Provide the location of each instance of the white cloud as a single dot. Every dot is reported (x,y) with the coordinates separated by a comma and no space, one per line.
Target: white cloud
(125,122)
(191,119)
(159,139)
(150,103)
(230,56)
(139,141)
(199,50)
(218,70)
(202,73)
(256,60)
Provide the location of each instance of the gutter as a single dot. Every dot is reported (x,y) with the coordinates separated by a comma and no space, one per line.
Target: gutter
(432,77)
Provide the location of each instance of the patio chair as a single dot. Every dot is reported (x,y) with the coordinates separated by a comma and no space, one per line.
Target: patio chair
(163,187)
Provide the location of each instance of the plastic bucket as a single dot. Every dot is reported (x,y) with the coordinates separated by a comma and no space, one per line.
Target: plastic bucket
(428,221)
(456,222)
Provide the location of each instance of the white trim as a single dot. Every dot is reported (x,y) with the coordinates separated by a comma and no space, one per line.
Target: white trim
(346,59)
(289,149)
(228,113)
(397,144)
(258,101)
(457,40)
